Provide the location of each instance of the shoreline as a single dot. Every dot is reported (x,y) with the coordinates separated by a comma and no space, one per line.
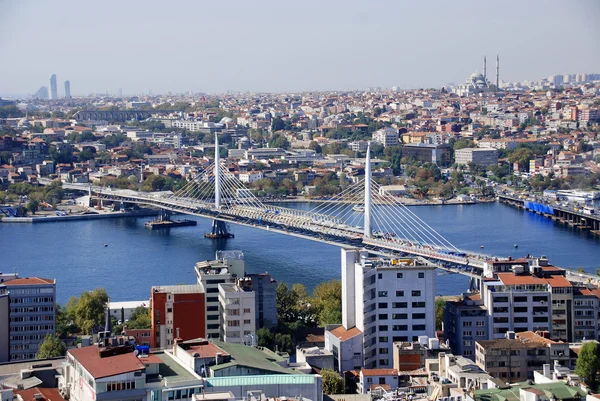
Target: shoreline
(405,202)
(77,217)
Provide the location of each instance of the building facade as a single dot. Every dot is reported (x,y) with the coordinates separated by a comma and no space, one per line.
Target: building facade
(479,156)
(388,301)
(238,313)
(178,311)
(32,315)
(465,322)
(428,153)
(228,266)
(53,87)
(386,136)
(265,289)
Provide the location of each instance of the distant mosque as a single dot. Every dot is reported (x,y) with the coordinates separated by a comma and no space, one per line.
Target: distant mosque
(478,83)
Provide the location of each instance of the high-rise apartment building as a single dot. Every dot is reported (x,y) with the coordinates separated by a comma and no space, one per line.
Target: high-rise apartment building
(53,87)
(265,288)
(32,315)
(387,300)
(238,316)
(42,93)
(67,89)
(4,324)
(178,311)
(210,273)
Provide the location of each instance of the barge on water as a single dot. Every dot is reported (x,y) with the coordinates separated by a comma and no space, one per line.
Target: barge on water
(156,224)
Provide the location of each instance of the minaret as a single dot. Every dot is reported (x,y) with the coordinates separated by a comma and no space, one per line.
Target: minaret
(107,323)
(497,72)
(484,68)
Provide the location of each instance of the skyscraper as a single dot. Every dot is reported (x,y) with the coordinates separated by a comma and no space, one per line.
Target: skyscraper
(41,93)
(53,88)
(67,89)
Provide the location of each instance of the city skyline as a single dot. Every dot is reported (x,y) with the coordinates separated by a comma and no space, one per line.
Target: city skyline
(280,48)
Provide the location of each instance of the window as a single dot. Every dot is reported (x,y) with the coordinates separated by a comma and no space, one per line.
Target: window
(400,327)
(246,310)
(480,323)
(418,316)
(418,304)
(468,343)
(399,305)
(383,316)
(398,275)
(421,275)
(383,328)
(418,327)
(247,321)
(379,276)
(416,293)
(382,305)
(399,316)
(480,333)
(383,339)
(382,294)
(399,293)
(383,350)
(467,324)
(467,333)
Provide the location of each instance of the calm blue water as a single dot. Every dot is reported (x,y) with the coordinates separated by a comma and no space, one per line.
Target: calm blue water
(137,258)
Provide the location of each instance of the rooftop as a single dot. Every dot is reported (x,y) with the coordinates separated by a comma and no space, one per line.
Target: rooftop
(255,357)
(342,334)
(29,281)
(179,289)
(89,358)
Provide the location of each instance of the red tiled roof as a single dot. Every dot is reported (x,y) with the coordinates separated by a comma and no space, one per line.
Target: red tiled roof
(209,350)
(342,334)
(89,358)
(513,279)
(50,394)
(559,281)
(29,281)
(379,372)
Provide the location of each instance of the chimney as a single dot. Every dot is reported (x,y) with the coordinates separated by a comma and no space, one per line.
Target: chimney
(546,370)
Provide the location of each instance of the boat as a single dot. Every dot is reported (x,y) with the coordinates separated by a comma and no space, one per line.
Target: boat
(156,224)
(579,195)
(219,236)
(358,208)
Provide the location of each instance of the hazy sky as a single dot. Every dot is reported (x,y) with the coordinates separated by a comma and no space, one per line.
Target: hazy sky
(283,45)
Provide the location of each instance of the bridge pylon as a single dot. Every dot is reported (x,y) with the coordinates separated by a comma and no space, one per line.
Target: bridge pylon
(367,214)
(219,228)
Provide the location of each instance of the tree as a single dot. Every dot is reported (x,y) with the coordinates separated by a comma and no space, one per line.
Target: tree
(333,383)
(521,156)
(327,300)
(265,337)
(588,364)
(33,206)
(440,303)
(51,347)
(278,124)
(89,311)
(140,319)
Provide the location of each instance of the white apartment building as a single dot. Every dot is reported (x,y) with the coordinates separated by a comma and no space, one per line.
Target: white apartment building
(386,136)
(238,313)
(517,302)
(388,300)
(209,274)
(250,176)
(480,156)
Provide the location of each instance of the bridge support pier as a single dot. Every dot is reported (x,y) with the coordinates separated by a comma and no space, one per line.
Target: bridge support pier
(219,231)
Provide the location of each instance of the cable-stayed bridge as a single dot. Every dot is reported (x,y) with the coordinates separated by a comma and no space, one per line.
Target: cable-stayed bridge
(362,215)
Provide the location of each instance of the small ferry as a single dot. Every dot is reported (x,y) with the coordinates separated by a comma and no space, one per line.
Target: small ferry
(358,208)
(156,224)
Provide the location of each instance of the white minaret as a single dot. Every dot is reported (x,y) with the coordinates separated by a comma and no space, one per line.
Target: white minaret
(484,68)
(367,221)
(497,72)
(217,175)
